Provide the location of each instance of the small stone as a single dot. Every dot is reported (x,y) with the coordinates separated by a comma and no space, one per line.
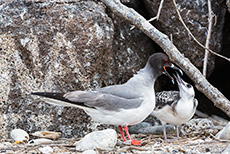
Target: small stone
(4,144)
(207,150)
(104,140)
(19,135)
(47,134)
(175,151)
(40,141)
(46,150)
(224,133)
(89,152)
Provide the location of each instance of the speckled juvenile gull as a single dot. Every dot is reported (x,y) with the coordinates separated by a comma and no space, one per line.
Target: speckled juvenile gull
(121,105)
(175,107)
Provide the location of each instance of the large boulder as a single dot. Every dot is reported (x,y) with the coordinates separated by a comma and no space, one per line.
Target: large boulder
(195,16)
(59,46)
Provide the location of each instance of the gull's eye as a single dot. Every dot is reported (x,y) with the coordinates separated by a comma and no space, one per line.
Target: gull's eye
(166,61)
(189,85)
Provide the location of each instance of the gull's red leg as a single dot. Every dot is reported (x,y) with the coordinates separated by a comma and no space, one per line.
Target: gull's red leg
(127,132)
(122,134)
(133,142)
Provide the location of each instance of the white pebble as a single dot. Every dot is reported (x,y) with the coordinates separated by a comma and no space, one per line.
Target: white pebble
(46,150)
(19,135)
(40,141)
(89,152)
(104,140)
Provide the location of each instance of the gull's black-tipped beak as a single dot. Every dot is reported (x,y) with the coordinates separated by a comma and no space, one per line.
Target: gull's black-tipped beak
(177,69)
(170,68)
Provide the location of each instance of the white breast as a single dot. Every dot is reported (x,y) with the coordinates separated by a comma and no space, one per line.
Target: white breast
(184,111)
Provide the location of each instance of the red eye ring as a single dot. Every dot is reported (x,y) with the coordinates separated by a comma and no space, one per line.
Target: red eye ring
(166,61)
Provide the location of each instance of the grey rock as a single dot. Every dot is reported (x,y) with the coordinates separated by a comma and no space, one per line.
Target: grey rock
(157,130)
(104,140)
(131,49)
(224,133)
(195,16)
(50,47)
(198,126)
(153,119)
(134,129)
(58,46)
(147,128)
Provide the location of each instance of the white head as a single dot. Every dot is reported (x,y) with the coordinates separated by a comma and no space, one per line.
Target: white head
(186,89)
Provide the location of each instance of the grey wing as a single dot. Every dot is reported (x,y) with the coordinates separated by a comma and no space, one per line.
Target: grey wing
(166,98)
(124,91)
(95,99)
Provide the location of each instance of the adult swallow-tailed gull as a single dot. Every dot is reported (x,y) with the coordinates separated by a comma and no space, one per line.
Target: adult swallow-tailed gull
(121,105)
(175,107)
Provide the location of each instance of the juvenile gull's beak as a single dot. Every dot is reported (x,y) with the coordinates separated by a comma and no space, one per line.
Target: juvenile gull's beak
(178,79)
(174,68)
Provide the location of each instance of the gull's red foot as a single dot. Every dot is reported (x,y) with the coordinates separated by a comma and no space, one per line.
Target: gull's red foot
(136,142)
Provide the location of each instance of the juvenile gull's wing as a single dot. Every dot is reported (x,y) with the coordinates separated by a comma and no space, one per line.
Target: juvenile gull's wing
(166,98)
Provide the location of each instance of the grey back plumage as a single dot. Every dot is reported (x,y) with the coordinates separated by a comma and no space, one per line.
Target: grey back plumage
(124,91)
(111,100)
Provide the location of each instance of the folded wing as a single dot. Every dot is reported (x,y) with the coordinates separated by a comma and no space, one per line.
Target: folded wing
(93,99)
(166,98)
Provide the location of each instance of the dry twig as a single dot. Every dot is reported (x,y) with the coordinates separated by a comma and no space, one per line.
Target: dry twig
(158,12)
(210,17)
(156,17)
(163,41)
(126,148)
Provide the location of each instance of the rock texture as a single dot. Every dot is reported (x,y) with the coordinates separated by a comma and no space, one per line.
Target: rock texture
(50,47)
(131,50)
(195,16)
(196,127)
(104,140)
(61,46)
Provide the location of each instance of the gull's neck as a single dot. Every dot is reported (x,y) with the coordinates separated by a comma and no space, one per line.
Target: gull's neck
(185,96)
(144,77)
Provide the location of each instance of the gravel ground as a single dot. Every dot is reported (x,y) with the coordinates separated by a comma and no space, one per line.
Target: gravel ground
(151,144)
